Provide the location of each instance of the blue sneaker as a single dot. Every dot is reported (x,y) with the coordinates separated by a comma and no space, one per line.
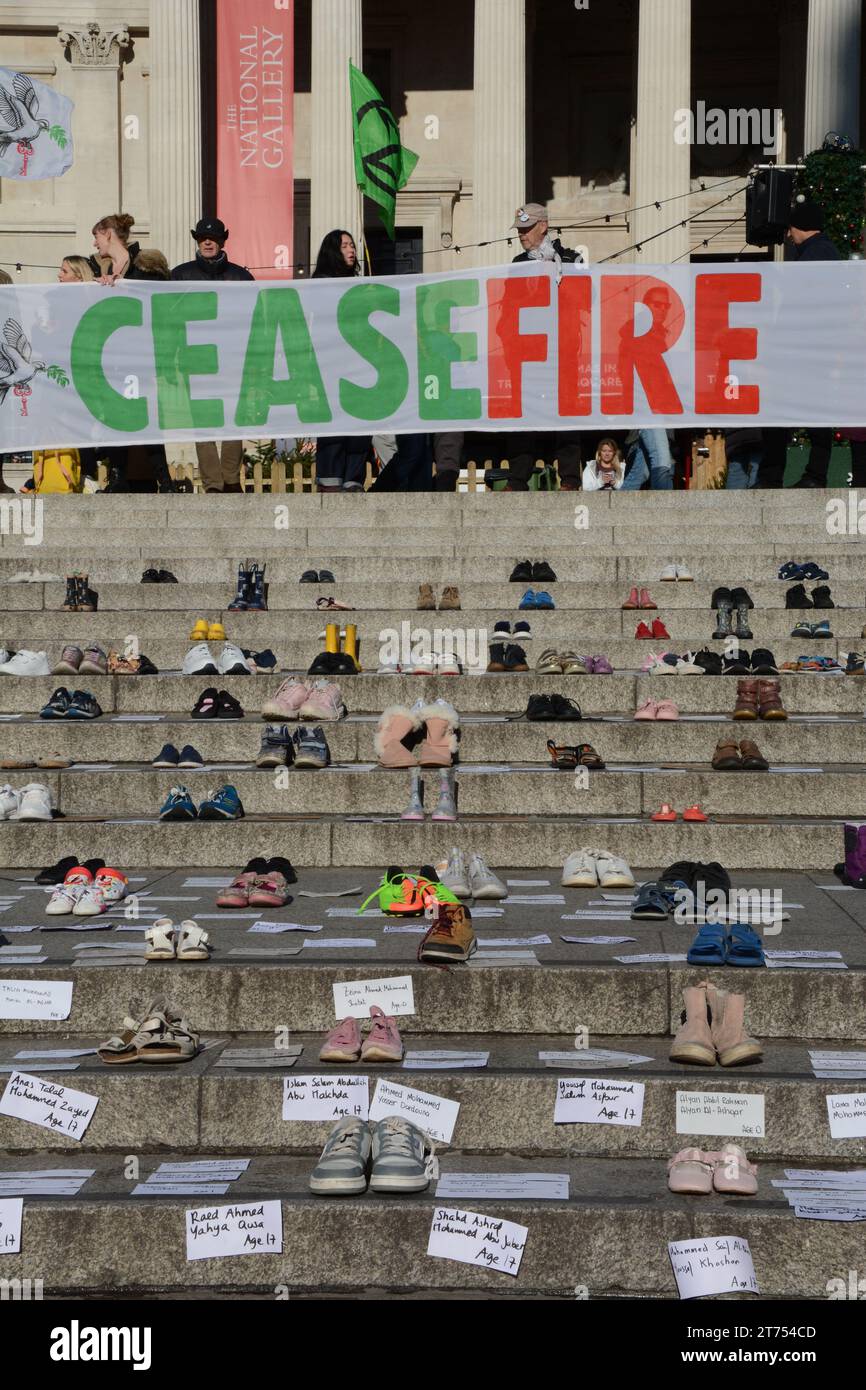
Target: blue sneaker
(528,600)
(58,705)
(544,600)
(189,757)
(178,805)
(821,629)
(223,805)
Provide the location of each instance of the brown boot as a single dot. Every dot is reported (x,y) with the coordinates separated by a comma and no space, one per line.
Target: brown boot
(770,700)
(694,1042)
(730,1040)
(450,599)
(746,706)
(426,598)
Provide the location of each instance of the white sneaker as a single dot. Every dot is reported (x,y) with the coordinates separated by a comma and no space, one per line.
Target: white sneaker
(199,661)
(390,668)
(232,661)
(34,803)
(483,881)
(454,874)
(5,655)
(91,902)
(579,870)
(8,802)
(669,574)
(612,871)
(447,665)
(64,898)
(27,664)
(684,574)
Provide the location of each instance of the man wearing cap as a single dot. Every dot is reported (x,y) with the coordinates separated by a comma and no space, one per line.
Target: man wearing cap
(219,464)
(532,227)
(807,241)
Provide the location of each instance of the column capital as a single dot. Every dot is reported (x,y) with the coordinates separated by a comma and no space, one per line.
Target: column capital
(91,46)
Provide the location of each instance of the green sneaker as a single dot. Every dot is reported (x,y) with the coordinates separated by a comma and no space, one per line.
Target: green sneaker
(397,894)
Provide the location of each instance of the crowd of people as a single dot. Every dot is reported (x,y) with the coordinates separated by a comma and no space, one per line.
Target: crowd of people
(585,460)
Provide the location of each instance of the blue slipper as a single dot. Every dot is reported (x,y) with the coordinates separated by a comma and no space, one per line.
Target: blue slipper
(529,600)
(708,947)
(744,946)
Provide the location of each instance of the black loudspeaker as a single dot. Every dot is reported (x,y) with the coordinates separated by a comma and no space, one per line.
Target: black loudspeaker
(768,206)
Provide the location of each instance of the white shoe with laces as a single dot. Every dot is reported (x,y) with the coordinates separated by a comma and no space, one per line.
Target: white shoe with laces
(455,875)
(27,664)
(483,881)
(579,870)
(34,803)
(8,802)
(613,872)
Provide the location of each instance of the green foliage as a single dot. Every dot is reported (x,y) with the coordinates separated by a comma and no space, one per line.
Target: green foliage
(59,136)
(833,179)
(265,452)
(57,374)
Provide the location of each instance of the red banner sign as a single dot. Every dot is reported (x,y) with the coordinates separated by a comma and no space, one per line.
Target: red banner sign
(255,92)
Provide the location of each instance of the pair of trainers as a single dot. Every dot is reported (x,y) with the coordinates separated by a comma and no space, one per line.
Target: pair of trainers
(32,802)
(672,574)
(389,1155)
(305,747)
(84,894)
(74,662)
(169,756)
(382,1043)
(200,661)
(536,599)
(812,630)
(404,893)
(224,804)
(470,878)
(319,700)
(75,704)
(262,883)
(596,868)
(532,572)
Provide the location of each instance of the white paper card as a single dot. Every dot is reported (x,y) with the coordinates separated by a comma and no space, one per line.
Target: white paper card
(589,1100)
(434,1115)
(352,998)
(807,965)
(720,1112)
(324,1098)
(514,941)
(505,1186)
(205,1165)
(473,1239)
(48,1104)
(847,1114)
(717,1264)
(813,1213)
(11,1211)
(444,1061)
(180,1189)
(339,943)
(597,940)
(274,928)
(253,1229)
(654,958)
(593,1057)
(47,999)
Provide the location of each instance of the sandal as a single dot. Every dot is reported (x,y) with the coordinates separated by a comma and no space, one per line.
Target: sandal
(123,1047)
(744,946)
(665,812)
(691,1171)
(192,942)
(694,814)
(709,947)
(332,605)
(564,758)
(650,904)
(587,757)
(166,1037)
(732,1172)
(160,940)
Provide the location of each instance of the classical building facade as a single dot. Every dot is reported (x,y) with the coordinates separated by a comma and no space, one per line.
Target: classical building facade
(569,102)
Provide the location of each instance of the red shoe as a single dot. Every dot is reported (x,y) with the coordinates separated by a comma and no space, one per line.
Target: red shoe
(664,813)
(633,601)
(694,813)
(643,633)
(645,600)
(659,630)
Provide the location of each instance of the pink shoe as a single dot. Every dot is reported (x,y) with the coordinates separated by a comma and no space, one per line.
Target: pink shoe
(286,702)
(601,666)
(645,600)
(732,1171)
(633,600)
(648,710)
(666,709)
(323,702)
(343,1043)
(383,1042)
(269,891)
(238,893)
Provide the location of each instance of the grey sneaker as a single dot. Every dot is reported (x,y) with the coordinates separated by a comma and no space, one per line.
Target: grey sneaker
(69,663)
(399,1157)
(342,1169)
(483,882)
(94,663)
(276,741)
(311,748)
(455,874)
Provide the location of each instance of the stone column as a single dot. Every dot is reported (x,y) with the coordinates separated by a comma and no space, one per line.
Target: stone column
(661,168)
(96,124)
(499,171)
(175,127)
(335,199)
(833,71)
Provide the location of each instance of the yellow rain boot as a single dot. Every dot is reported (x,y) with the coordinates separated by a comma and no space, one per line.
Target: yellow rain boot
(350,646)
(332,637)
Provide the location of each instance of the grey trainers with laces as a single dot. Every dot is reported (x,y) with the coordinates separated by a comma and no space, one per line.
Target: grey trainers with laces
(342,1168)
(402,1157)
(455,874)
(483,881)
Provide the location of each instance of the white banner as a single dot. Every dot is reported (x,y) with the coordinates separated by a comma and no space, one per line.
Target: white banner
(501,349)
(35,128)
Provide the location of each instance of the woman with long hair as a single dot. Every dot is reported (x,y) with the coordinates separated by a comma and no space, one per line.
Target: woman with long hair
(75,270)
(341,460)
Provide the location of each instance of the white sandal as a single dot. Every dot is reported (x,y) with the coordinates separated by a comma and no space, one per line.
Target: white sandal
(160,940)
(192,942)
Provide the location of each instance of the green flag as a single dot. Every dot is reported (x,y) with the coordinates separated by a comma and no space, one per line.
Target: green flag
(382,165)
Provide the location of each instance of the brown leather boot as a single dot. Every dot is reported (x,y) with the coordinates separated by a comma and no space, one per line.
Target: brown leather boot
(730,1040)
(426,599)
(694,1043)
(746,706)
(770,700)
(450,599)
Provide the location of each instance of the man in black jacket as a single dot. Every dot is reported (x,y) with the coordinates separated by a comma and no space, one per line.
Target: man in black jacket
(219,464)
